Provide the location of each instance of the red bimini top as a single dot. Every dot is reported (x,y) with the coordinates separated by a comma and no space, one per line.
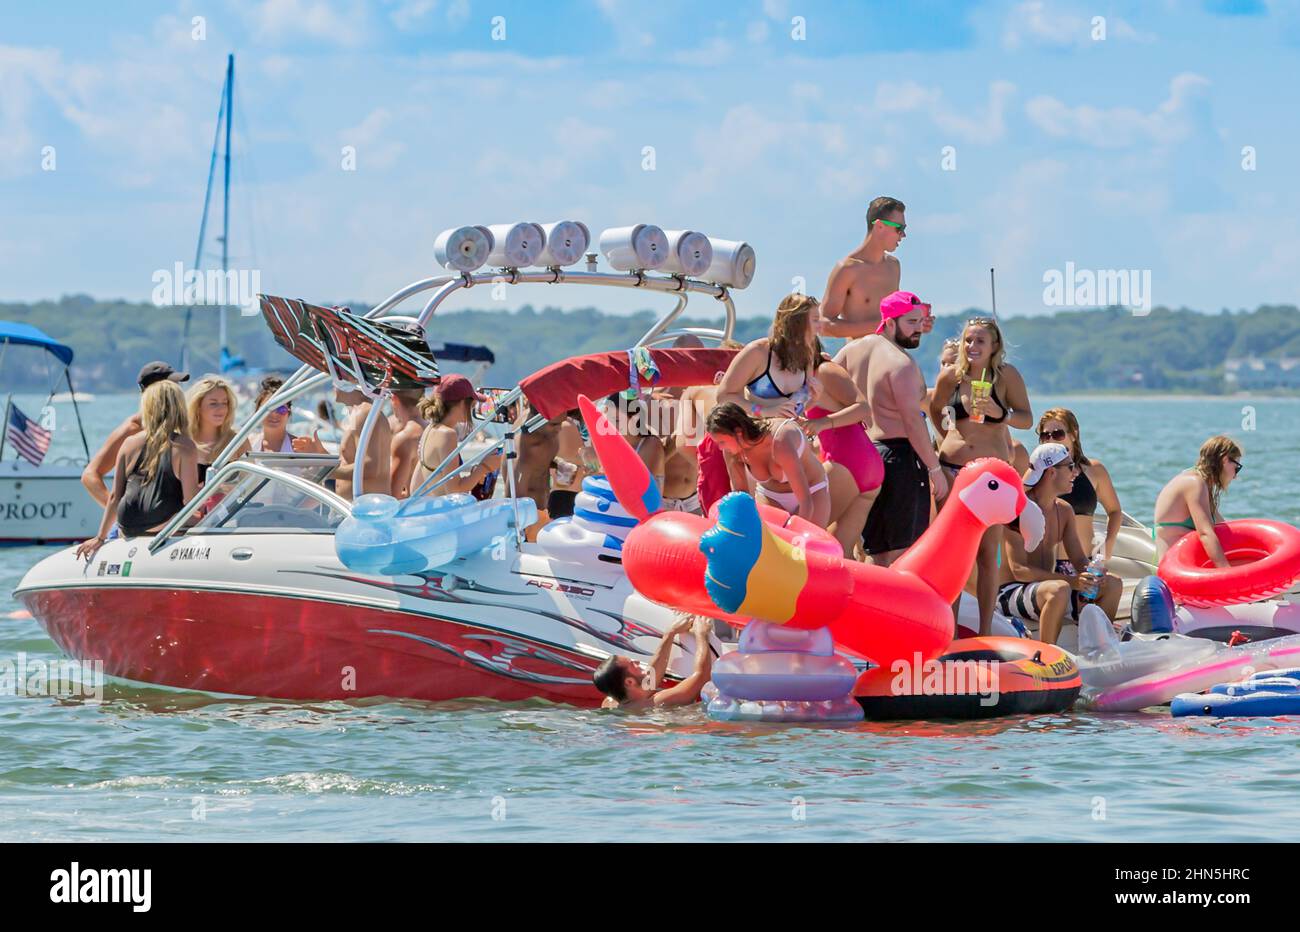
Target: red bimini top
(555,389)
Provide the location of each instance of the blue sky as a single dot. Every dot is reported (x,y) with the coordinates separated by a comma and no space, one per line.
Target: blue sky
(1123,153)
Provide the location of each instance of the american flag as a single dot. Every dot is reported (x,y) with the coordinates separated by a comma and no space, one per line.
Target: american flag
(29,438)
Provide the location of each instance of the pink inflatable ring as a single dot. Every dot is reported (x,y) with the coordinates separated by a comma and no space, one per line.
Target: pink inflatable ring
(1265,558)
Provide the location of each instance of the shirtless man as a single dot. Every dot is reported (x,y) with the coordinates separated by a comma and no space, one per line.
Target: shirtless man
(629,684)
(895,390)
(575,461)
(101,464)
(537,451)
(851,305)
(377,471)
(407,426)
(1033,586)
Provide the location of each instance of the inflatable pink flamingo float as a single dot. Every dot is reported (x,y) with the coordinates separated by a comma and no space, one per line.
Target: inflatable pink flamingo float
(757,562)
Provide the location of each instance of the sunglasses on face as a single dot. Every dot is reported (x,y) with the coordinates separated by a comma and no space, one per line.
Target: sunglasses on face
(900,227)
(1237,463)
(283,409)
(1046,435)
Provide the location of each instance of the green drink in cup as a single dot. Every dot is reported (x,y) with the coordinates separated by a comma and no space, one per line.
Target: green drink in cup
(979,388)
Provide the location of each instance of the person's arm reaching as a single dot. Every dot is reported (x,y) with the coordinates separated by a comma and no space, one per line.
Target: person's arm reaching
(1019,414)
(1109,499)
(659,661)
(746,366)
(89,548)
(92,477)
(786,456)
(845,392)
(1199,506)
(688,690)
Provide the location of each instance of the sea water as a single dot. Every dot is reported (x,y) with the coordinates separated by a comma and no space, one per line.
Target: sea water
(147,764)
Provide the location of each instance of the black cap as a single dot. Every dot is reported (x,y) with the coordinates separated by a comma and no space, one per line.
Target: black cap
(156,372)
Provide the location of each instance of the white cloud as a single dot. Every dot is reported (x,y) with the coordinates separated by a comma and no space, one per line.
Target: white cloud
(275,21)
(410,13)
(966,125)
(580,137)
(1175,119)
(376,148)
(757,31)
(1033,23)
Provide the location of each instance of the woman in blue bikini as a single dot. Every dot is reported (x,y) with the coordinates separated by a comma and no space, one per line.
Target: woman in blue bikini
(1189,503)
(774,376)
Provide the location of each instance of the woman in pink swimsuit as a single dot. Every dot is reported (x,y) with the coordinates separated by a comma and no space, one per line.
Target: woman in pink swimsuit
(838,420)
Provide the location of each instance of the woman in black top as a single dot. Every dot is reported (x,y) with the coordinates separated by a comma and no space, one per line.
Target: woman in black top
(1092,483)
(156,471)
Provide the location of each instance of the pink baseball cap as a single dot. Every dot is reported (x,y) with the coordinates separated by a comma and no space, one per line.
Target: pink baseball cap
(898,304)
(457,388)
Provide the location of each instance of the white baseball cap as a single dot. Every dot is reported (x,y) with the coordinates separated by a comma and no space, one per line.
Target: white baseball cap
(1044,457)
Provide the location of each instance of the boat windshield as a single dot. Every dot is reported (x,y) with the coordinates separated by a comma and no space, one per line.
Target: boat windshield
(246,501)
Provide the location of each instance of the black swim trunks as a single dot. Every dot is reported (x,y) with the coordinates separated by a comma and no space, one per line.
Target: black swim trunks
(901,512)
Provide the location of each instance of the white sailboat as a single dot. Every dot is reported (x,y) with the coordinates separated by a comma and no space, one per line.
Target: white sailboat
(41,500)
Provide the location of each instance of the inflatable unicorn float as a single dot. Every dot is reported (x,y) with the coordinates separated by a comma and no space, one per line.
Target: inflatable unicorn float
(753,564)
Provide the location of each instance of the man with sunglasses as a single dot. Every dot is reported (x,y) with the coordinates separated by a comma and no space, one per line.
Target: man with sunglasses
(1035,586)
(851,305)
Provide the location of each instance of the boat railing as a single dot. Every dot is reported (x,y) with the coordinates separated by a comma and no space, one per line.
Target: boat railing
(676,283)
(217,476)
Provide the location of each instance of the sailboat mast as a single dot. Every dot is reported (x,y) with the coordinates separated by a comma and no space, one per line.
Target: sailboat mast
(203,223)
(225,203)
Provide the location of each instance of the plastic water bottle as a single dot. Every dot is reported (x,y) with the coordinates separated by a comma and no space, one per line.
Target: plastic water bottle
(1097,569)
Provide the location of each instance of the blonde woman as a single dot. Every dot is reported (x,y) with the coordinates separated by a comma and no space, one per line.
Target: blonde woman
(1189,502)
(1092,485)
(975,428)
(156,471)
(211,405)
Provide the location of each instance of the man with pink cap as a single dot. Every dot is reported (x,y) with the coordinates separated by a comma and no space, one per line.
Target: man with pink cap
(895,390)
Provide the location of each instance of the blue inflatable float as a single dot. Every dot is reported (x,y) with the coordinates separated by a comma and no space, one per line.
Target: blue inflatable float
(432,532)
(1269,693)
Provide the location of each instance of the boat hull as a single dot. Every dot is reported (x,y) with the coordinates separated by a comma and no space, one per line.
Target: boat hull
(277,616)
(45,505)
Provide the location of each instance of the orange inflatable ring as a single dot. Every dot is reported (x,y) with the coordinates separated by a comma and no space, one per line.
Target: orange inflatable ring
(974,678)
(1265,558)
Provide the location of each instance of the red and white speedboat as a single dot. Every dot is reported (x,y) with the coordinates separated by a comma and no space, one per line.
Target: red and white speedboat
(251,600)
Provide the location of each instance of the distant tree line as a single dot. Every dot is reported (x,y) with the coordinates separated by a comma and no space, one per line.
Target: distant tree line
(1107,349)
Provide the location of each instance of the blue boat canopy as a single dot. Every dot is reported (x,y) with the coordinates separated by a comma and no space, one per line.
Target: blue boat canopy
(12,332)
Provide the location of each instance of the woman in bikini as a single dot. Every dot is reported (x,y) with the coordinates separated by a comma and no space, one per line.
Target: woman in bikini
(773,460)
(1189,502)
(775,375)
(635,418)
(1092,485)
(974,429)
(448,411)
